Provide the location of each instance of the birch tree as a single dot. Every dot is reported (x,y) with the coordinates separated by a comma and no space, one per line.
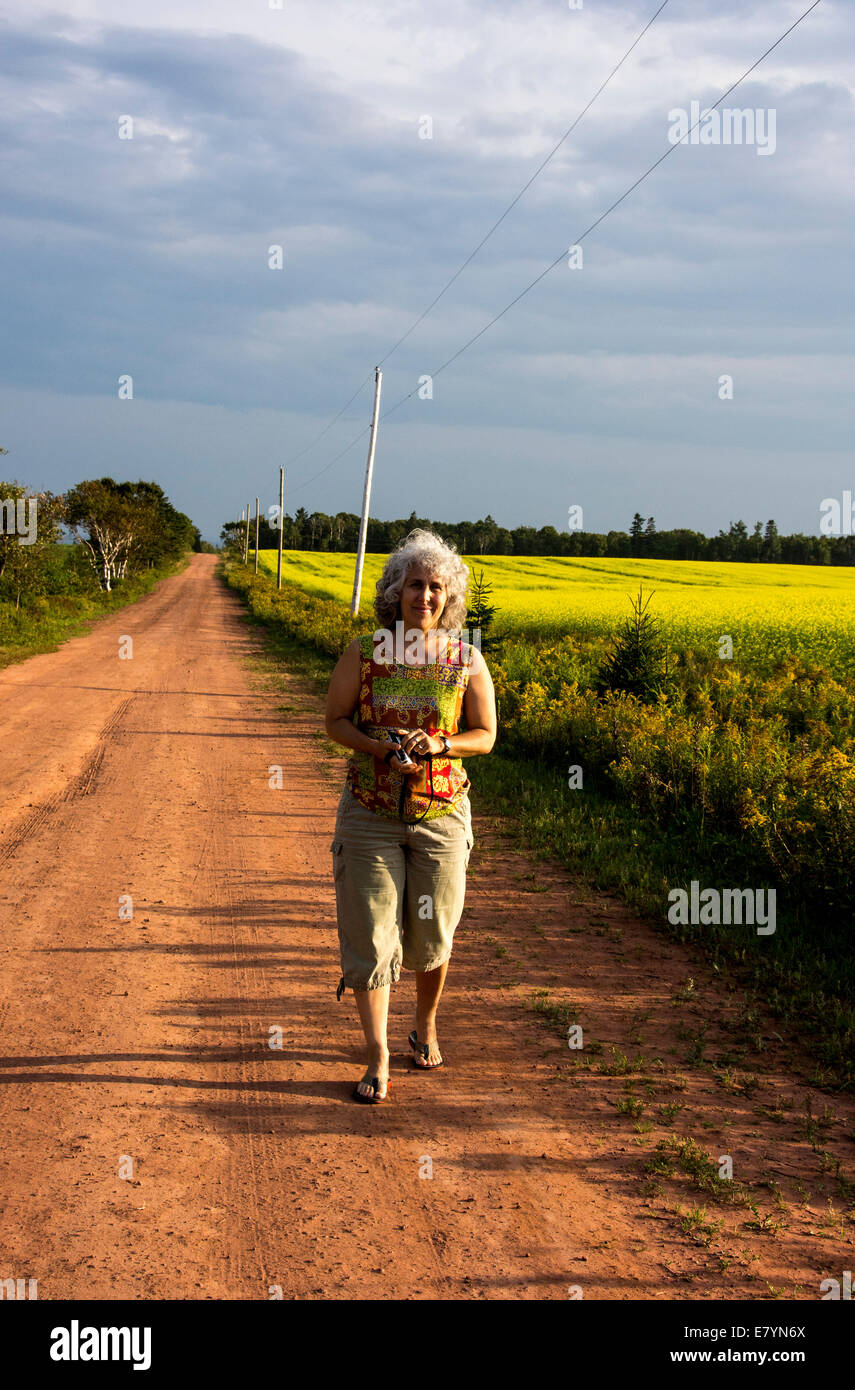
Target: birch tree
(102,520)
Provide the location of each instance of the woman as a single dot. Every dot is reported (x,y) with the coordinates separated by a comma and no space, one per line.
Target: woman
(404,832)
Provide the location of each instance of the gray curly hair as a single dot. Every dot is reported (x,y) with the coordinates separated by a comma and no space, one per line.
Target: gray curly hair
(431,553)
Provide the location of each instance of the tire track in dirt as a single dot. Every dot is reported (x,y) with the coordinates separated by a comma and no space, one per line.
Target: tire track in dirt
(26,827)
(81,785)
(250,982)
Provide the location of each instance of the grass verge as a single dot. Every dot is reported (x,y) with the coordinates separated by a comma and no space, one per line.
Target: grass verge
(27,632)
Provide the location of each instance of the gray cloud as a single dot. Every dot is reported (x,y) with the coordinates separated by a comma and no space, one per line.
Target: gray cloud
(149,256)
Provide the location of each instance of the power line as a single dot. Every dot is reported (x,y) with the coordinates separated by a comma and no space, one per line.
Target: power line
(330,424)
(605,214)
(413,326)
(578,240)
(526,186)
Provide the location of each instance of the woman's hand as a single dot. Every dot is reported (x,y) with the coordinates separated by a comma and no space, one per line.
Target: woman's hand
(418,744)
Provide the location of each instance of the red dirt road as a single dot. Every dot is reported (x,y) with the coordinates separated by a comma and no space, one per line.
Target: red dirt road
(142,1047)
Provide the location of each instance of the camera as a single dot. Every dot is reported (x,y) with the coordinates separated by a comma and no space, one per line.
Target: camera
(401,757)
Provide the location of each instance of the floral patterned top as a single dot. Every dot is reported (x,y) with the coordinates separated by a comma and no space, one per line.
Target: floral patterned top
(397,695)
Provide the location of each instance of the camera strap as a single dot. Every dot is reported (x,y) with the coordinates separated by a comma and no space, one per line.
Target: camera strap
(403,796)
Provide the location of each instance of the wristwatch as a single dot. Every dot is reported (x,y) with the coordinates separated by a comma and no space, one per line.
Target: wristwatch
(446,743)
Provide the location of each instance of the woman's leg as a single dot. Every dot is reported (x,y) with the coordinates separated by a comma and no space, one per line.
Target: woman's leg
(429,985)
(373,1006)
(369,874)
(438,857)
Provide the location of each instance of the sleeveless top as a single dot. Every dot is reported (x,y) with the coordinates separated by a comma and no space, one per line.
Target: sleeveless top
(394,695)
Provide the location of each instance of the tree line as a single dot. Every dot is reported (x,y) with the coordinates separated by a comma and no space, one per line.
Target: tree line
(763,544)
(116,530)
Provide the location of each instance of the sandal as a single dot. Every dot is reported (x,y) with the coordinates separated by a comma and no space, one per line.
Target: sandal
(424,1050)
(374,1082)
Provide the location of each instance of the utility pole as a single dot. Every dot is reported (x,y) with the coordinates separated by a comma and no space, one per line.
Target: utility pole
(256,535)
(366,497)
(281,526)
(246,537)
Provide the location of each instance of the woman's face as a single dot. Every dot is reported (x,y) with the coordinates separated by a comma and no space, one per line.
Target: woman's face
(423,598)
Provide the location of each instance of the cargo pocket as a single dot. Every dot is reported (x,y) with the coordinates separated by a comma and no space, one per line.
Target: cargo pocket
(337,847)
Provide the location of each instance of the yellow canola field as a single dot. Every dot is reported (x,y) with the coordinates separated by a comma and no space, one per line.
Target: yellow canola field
(770,611)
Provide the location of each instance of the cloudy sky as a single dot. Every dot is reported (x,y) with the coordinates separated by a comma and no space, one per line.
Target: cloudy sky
(301,127)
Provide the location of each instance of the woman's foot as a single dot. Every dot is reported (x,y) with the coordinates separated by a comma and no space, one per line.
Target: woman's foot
(425,1037)
(377,1070)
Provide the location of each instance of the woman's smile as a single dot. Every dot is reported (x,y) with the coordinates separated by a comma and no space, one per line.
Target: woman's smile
(423,598)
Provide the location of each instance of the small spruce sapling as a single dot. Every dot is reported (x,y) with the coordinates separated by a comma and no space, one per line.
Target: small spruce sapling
(481,613)
(639,661)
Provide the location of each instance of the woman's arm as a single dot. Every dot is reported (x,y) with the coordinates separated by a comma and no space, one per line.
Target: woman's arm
(479,707)
(342,699)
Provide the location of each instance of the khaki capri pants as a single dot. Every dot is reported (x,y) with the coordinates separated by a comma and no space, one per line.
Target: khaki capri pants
(399,890)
